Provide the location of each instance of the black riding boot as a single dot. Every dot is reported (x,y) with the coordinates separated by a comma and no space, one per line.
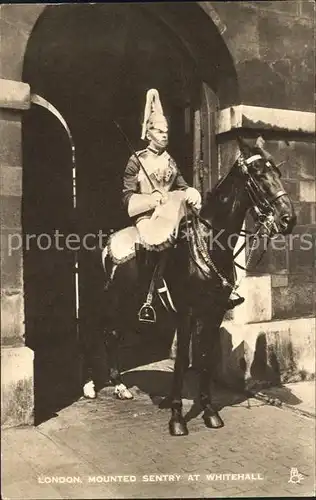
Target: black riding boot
(232,303)
(145,264)
(161,285)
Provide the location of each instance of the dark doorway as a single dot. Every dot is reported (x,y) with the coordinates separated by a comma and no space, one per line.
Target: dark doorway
(94,63)
(50,319)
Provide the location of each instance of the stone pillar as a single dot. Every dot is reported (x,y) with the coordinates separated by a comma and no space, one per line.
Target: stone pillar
(17,398)
(270,337)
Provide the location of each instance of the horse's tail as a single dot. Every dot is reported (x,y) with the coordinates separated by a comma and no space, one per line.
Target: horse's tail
(108,267)
(91,301)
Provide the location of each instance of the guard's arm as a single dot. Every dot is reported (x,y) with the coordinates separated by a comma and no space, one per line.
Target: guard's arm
(130,182)
(133,201)
(141,203)
(193,197)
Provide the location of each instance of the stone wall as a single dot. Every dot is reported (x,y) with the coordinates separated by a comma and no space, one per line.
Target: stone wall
(287,271)
(259,354)
(17,391)
(272,47)
(17,360)
(11,191)
(291,261)
(271,337)
(16,24)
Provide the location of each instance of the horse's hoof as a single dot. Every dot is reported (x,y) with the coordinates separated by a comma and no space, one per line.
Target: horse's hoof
(178,428)
(165,403)
(213,420)
(121,392)
(89,390)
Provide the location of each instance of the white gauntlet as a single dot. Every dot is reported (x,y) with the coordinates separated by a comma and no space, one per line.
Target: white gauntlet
(193,197)
(140,203)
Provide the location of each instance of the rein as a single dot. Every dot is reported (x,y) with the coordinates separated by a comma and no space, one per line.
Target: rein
(195,234)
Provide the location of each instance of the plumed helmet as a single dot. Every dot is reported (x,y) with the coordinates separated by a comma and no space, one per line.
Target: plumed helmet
(153,113)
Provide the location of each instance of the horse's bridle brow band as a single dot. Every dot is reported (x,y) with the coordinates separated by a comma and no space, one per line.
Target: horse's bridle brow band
(252,192)
(253,158)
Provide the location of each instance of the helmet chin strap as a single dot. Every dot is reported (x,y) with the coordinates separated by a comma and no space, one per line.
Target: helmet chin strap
(158,148)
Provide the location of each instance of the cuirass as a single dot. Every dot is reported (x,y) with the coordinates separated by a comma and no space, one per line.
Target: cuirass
(161,169)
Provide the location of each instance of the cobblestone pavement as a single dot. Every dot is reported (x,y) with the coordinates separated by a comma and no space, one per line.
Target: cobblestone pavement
(73,455)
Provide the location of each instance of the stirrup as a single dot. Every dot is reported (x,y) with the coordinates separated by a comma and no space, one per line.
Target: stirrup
(147,314)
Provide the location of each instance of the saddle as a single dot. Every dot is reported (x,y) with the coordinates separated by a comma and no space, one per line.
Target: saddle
(121,245)
(156,233)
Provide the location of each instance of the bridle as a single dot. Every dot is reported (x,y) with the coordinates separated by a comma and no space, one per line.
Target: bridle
(263,207)
(264,210)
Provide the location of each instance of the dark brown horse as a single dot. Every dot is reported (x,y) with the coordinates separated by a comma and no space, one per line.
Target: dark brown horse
(201,272)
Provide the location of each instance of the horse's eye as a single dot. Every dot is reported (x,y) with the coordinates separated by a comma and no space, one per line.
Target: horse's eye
(274,167)
(257,168)
(259,172)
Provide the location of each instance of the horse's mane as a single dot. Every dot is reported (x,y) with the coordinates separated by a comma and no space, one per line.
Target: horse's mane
(212,194)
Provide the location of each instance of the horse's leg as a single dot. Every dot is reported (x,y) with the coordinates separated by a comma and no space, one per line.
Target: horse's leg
(91,321)
(177,424)
(89,368)
(112,343)
(113,338)
(207,338)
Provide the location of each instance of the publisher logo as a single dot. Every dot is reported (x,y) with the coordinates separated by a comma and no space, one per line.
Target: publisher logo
(295,476)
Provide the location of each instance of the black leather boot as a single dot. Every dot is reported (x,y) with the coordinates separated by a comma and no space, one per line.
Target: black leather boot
(232,303)
(164,292)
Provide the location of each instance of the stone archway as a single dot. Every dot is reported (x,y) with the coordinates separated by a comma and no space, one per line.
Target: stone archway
(199,50)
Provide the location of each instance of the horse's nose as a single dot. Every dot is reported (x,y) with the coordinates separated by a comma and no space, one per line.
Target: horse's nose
(287,223)
(285,219)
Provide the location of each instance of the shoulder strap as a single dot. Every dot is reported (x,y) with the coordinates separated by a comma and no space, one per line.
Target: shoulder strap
(139,153)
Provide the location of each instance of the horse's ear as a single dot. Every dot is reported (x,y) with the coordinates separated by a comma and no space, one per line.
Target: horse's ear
(260,142)
(244,146)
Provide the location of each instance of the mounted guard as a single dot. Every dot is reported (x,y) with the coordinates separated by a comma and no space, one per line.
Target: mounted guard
(154,194)
(205,278)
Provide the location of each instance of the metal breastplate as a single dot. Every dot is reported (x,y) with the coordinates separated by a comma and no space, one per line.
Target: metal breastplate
(161,169)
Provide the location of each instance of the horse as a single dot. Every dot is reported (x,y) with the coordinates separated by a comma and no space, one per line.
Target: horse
(201,272)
